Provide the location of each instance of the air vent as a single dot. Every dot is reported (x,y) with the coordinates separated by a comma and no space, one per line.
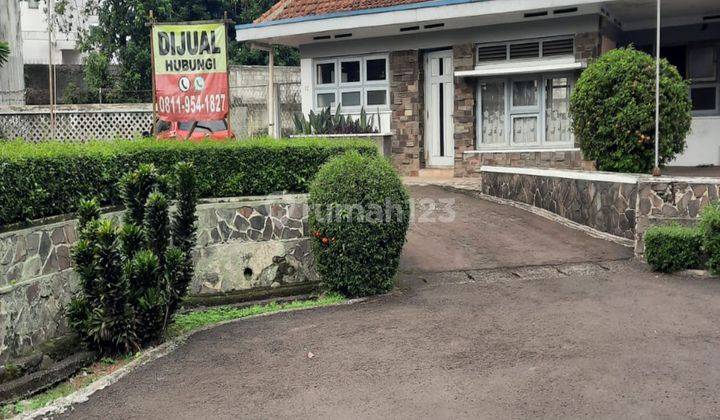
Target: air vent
(410,29)
(434,25)
(492,53)
(536,14)
(711,17)
(565,11)
(320,38)
(525,50)
(558,47)
(343,36)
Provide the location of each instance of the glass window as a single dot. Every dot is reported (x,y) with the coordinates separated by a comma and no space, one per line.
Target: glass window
(325,100)
(557,110)
(704,98)
(524,129)
(350,72)
(524,93)
(377,97)
(326,74)
(376,70)
(351,99)
(492,105)
(702,66)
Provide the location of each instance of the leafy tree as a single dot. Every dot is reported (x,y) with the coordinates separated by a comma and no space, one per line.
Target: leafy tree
(122,34)
(4,52)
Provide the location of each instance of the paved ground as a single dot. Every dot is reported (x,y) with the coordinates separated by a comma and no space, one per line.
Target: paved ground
(602,339)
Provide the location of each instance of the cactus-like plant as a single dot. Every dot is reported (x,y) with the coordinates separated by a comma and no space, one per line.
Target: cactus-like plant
(327,122)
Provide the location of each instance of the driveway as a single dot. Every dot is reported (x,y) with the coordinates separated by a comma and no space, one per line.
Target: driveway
(490,337)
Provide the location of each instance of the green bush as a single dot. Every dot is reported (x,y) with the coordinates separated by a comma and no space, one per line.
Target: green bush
(710,227)
(39,180)
(359,215)
(133,278)
(613,111)
(673,248)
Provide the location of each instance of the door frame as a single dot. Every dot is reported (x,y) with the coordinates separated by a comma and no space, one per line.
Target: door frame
(428,131)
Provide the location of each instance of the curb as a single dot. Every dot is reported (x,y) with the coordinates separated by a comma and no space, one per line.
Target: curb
(61,405)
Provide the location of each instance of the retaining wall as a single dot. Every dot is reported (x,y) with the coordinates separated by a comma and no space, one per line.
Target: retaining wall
(245,245)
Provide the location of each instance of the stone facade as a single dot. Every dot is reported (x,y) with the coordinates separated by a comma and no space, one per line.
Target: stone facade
(605,206)
(566,159)
(243,245)
(407,107)
(672,201)
(587,45)
(464,115)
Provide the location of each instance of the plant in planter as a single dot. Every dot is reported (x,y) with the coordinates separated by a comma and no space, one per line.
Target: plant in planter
(325,122)
(359,217)
(133,277)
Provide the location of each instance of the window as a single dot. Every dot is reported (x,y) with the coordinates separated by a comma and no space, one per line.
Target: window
(698,63)
(361,82)
(551,47)
(525,112)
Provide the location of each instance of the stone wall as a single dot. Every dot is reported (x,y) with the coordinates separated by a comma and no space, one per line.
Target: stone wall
(672,200)
(464,115)
(406,103)
(564,159)
(605,202)
(244,244)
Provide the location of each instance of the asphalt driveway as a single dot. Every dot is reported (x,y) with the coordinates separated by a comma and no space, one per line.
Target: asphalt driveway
(488,337)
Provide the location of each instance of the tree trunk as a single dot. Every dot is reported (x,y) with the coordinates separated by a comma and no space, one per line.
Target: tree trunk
(12,80)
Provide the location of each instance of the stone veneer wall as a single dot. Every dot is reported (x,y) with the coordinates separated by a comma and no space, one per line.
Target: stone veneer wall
(464,115)
(564,159)
(605,205)
(672,200)
(243,244)
(406,103)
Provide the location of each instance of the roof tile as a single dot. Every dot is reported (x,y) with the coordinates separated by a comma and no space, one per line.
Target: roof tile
(288,9)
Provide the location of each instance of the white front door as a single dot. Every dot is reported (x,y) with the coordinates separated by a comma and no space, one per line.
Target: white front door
(439,106)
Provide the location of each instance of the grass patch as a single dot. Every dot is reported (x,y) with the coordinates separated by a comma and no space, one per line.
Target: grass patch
(183,323)
(191,321)
(85,377)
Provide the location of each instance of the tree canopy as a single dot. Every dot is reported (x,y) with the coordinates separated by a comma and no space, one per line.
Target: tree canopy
(4,52)
(122,34)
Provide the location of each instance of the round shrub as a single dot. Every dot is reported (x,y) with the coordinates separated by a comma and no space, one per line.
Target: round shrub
(613,111)
(359,215)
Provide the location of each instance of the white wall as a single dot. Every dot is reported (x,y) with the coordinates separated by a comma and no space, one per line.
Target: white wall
(703,143)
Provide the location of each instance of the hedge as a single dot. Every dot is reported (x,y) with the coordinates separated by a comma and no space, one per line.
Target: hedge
(46,179)
(673,248)
(359,217)
(710,228)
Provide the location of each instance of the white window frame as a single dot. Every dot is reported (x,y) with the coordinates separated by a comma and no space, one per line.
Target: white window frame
(523,111)
(706,82)
(362,87)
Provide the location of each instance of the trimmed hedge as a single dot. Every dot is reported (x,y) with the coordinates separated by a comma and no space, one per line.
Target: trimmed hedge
(673,248)
(47,179)
(710,228)
(359,215)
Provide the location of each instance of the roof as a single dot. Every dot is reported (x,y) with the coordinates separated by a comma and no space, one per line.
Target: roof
(290,9)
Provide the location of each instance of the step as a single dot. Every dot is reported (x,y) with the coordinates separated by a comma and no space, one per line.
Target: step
(437,173)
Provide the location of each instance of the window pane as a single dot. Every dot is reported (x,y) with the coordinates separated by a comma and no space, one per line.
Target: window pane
(376,70)
(493,112)
(704,98)
(325,100)
(557,110)
(525,93)
(525,129)
(326,74)
(377,97)
(350,72)
(702,64)
(350,99)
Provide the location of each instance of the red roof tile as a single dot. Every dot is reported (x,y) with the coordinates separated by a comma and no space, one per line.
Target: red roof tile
(288,9)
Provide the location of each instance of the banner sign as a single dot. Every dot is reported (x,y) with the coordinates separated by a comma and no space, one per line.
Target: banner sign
(190,70)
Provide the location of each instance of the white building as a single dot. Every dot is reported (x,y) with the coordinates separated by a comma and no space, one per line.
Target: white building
(36,45)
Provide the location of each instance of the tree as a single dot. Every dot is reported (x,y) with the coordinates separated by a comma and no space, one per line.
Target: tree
(122,34)
(613,111)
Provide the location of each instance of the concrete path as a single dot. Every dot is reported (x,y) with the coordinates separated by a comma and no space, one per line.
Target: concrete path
(478,337)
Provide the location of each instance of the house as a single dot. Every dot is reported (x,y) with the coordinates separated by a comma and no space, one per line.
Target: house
(466,83)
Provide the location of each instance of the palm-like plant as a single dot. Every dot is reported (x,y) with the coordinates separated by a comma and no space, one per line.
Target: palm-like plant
(4,52)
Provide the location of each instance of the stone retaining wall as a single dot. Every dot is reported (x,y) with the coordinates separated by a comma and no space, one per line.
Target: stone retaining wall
(562,159)
(244,244)
(601,201)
